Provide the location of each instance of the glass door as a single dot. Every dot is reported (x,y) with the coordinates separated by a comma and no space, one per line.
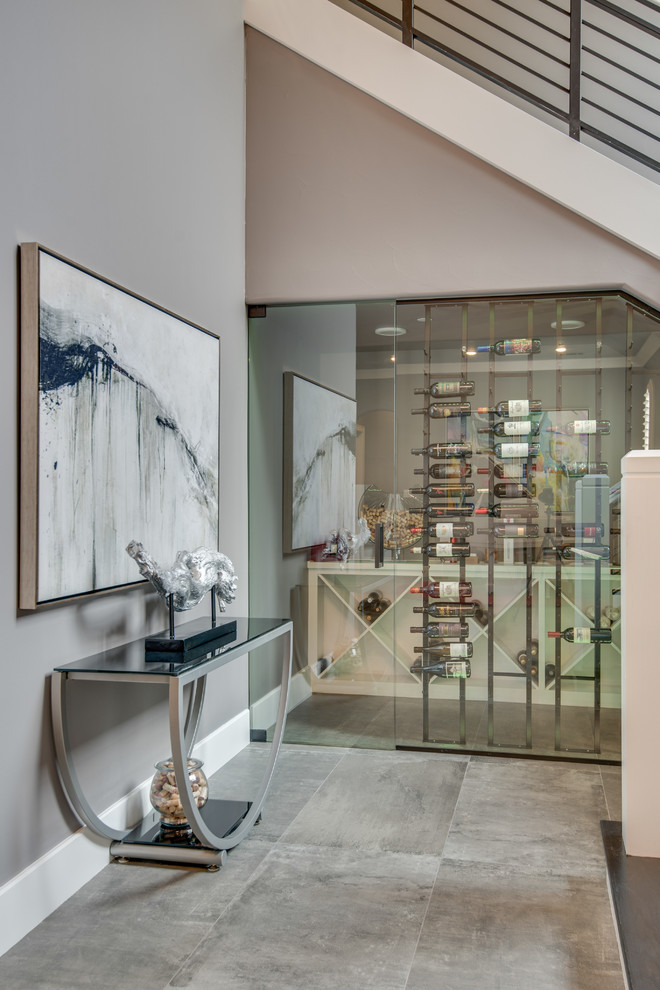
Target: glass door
(325,521)
(512,418)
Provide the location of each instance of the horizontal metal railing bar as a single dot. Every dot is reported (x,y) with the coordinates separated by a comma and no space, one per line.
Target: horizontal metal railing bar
(371,8)
(623,15)
(510,87)
(546,3)
(502,30)
(622,120)
(625,96)
(546,105)
(427,38)
(622,41)
(622,68)
(482,44)
(625,149)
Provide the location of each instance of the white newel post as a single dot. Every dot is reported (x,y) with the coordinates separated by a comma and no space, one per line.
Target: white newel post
(640,650)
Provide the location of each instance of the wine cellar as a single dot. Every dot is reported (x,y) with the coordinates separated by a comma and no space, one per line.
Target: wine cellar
(484,610)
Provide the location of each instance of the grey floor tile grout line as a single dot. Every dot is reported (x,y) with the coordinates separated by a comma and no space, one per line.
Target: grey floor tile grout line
(421,927)
(239,893)
(607,803)
(458,798)
(435,879)
(322,784)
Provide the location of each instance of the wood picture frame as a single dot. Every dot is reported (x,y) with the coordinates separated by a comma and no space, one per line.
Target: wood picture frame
(119,431)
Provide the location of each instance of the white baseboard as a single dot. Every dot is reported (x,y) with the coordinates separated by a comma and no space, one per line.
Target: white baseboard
(264,711)
(33,894)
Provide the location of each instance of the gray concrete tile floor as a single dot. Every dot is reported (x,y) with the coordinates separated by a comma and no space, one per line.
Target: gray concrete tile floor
(370,871)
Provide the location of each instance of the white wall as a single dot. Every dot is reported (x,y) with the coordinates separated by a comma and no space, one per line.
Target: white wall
(123,148)
(348,199)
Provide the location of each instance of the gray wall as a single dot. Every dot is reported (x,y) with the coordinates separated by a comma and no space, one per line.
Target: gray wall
(317,342)
(347,199)
(123,149)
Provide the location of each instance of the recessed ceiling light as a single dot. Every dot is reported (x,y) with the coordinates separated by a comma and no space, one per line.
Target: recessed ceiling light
(470,350)
(389,331)
(568,324)
(393,358)
(561,349)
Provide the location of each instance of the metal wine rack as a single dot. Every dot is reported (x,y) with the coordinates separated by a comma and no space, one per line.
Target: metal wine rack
(523,666)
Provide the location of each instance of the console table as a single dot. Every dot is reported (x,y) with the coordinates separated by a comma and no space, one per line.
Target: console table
(219,825)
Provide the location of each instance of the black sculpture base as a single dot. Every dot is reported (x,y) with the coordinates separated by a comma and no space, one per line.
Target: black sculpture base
(192,639)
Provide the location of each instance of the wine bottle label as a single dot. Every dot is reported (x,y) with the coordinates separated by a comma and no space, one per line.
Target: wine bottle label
(518,407)
(458,650)
(581,634)
(457,668)
(517,427)
(514,449)
(444,530)
(446,388)
(444,550)
(448,589)
(519,345)
(585,425)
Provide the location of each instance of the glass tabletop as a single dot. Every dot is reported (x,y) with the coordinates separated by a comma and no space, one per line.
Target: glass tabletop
(132,657)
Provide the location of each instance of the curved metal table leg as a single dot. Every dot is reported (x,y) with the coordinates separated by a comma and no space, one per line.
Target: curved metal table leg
(195,703)
(183,730)
(199,826)
(70,782)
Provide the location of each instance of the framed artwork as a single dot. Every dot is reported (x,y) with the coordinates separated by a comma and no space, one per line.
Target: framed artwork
(119,431)
(319,462)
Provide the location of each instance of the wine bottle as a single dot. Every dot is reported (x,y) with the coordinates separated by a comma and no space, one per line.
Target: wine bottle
(446,531)
(516,449)
(446,610)
(512,428)
(447,630)
(448,471)
(582,427)
(446,550)
(522,662)
(440,450)
(514,407)
(441,511)
(577,469)
(583,634)
(583,529)
(509,472)
(590,552)
(508,531)
(444,410)
(447,389)
(444,589)
(444,668)
(511,489)
(517,345)
(447,650)
(500,511)
(444,491)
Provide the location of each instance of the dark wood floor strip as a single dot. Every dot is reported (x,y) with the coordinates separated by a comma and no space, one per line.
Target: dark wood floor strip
(635,886)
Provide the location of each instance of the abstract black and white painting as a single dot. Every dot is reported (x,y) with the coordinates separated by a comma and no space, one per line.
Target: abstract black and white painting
(127,422)
(319,462)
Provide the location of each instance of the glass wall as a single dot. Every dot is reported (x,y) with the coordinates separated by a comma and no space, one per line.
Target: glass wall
(500,529)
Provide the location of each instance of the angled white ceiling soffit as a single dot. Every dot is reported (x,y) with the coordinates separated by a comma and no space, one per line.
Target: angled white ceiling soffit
(594,187)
